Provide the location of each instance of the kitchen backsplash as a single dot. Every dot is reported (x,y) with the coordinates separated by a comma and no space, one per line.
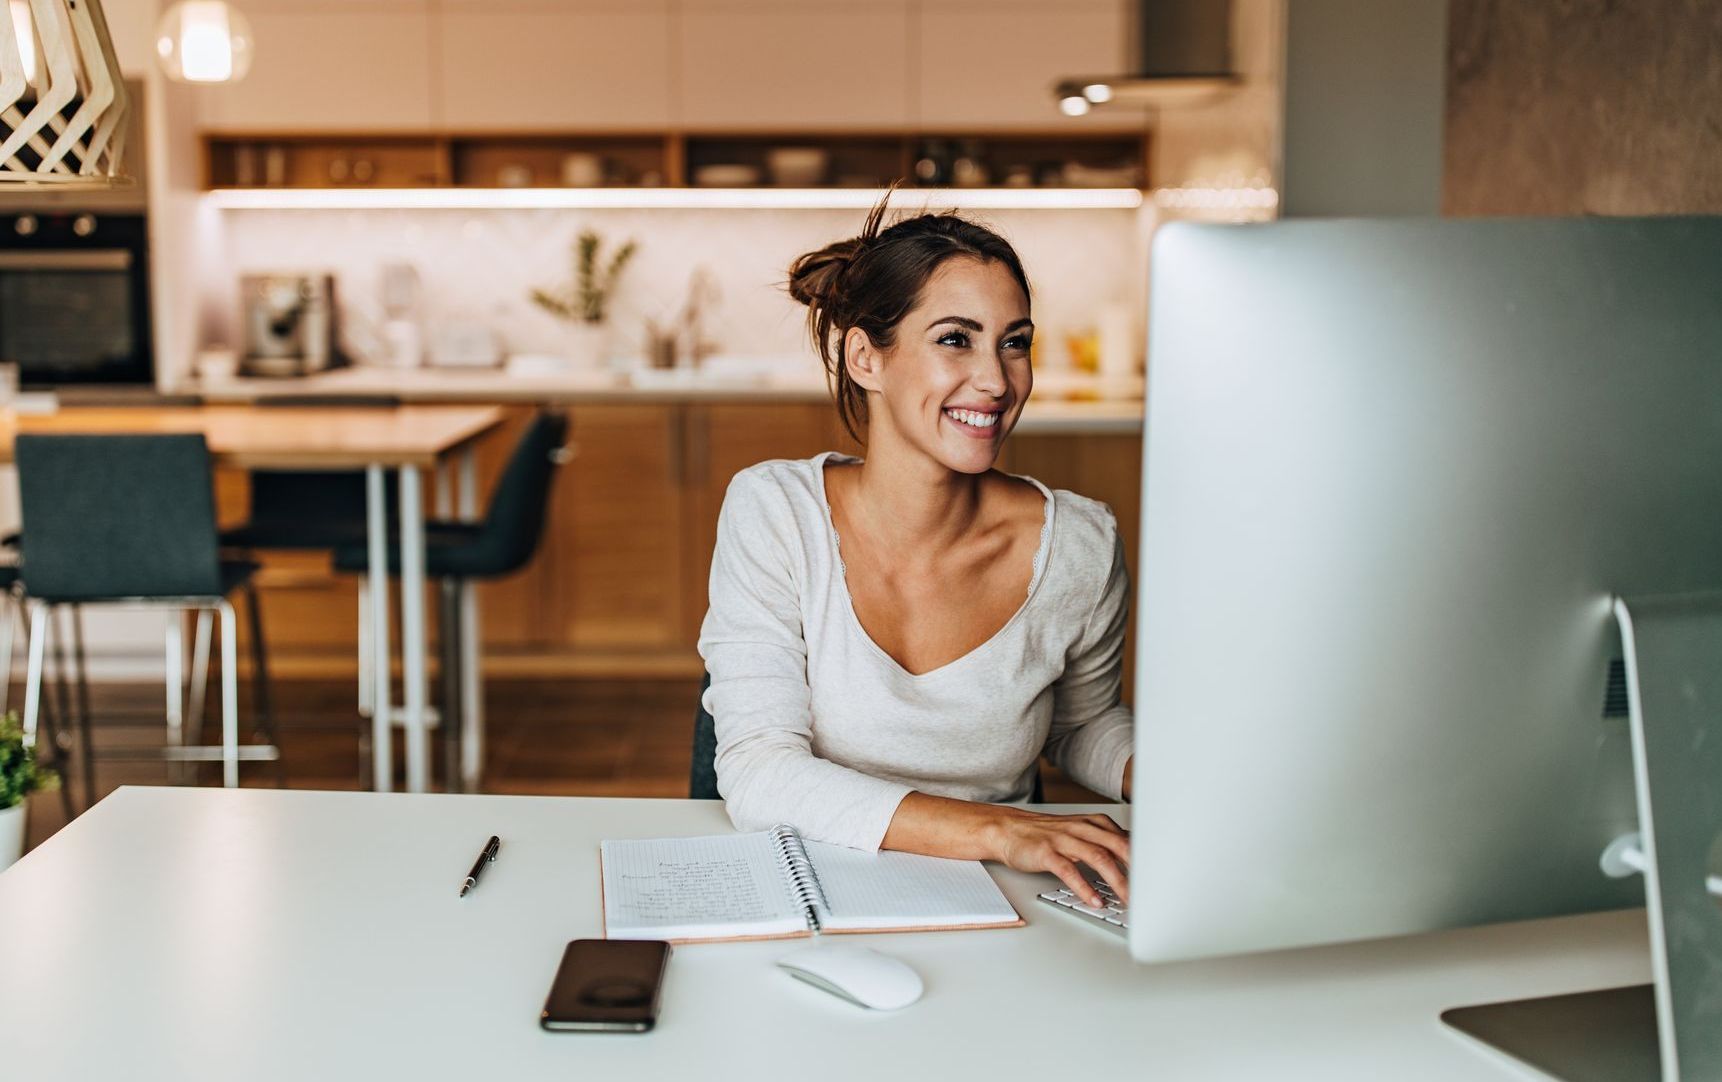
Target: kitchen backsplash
(481,265)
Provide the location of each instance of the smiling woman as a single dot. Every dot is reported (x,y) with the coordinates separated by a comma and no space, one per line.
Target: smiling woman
(893,643)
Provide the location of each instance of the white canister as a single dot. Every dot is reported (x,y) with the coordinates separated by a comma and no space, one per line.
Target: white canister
(11,835)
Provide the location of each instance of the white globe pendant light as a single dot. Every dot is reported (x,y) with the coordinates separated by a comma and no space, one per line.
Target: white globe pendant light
(203,41)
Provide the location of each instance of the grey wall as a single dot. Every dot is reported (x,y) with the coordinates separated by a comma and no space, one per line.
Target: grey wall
(1364,106)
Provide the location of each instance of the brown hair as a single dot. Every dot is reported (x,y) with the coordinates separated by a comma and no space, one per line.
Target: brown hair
(871,281)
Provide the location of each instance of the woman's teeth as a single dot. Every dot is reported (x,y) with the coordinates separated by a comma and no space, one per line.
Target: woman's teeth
(973,418)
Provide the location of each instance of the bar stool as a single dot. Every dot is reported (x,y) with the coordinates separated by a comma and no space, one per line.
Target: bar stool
(313,510)
(457,553)
(124,519)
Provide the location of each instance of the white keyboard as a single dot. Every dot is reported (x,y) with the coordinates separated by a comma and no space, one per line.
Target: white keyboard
(1111,915)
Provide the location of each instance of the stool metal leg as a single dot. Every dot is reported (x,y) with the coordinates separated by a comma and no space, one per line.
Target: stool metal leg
(260,686)
(199,694)
(367,689)
(173,681)
(33,671)
(448,634)
(472,678)
(81,680)
(229,695)
(12,605)
(40,617)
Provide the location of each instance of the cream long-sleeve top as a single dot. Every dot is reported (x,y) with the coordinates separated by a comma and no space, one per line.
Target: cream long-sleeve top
(819,727)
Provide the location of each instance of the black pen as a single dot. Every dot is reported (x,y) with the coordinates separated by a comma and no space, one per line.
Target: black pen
(488,855)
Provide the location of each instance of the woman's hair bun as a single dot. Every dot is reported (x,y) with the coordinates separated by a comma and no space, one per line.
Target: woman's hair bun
(814,278)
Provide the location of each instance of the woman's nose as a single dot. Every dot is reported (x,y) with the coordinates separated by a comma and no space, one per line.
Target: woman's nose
(989,377)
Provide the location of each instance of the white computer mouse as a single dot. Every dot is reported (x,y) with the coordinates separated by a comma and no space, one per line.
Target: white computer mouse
(859,974)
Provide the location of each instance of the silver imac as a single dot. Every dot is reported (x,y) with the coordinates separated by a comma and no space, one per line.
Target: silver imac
(1394,473)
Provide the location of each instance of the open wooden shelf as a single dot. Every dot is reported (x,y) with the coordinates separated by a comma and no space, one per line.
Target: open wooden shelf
(1045,159)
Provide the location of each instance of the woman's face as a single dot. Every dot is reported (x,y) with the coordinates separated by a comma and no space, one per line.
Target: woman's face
(956,380)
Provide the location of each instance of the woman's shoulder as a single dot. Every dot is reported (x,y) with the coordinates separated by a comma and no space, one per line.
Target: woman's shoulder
(1078,522)
(779,487)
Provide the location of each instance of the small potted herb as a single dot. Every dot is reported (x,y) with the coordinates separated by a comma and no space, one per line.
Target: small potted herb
(585,303)
(20,775)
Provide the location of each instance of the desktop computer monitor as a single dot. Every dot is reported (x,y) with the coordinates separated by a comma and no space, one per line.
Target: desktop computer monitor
(1394,472)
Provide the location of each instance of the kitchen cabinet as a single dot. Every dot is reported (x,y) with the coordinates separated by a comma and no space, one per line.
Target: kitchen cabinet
(364,67)
(457,67)
(616,532)
(992,65)
(509,68)
(780,65)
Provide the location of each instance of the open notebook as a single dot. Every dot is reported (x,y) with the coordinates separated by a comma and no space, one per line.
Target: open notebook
(774,885)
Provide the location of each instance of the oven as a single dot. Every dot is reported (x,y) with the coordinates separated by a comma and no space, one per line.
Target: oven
(74,297)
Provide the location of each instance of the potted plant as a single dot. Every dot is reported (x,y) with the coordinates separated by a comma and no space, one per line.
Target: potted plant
(585,304)
(20,775)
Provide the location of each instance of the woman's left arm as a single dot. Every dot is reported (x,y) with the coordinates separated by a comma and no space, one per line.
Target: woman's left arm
(1093,733)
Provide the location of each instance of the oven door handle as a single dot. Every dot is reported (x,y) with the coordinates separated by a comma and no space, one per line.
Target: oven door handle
(116,259)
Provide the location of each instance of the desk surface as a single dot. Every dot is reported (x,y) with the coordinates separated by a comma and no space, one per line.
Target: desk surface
(262,934)
(255,437)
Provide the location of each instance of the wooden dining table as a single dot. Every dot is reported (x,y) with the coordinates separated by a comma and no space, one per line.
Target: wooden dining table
(372,440)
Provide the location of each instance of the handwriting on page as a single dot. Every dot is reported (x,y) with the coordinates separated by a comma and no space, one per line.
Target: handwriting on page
(677,891)
(727,880)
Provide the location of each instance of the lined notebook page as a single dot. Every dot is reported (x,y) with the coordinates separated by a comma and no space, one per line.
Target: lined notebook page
(904,890)
(697,888)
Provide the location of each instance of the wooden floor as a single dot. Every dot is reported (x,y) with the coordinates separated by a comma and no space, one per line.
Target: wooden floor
(562,738)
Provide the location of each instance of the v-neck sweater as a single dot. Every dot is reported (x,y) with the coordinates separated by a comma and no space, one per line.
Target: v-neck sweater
(819,727)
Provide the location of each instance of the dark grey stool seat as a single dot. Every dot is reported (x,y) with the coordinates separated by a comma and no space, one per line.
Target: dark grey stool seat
(309,509)
(301,510)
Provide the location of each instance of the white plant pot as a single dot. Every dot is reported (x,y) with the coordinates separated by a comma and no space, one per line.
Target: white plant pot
(11,835)
(589,345)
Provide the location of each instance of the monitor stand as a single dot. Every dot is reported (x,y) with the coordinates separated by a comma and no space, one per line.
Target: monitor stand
(1669,1030)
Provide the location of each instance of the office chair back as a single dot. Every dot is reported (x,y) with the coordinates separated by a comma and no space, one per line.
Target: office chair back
(702,777)
(117,516)
(514,521)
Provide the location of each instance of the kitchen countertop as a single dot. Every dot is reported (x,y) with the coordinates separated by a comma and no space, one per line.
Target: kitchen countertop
(1045,414)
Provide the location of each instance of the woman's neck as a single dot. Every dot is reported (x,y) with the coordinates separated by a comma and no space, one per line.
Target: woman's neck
(902,496)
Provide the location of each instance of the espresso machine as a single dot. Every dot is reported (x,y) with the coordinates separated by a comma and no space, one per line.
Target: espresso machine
(289,324)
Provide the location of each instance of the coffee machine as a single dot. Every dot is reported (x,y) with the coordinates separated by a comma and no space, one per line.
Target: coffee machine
(289,324)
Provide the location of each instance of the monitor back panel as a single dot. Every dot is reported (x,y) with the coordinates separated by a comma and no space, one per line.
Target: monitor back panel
(1394,472)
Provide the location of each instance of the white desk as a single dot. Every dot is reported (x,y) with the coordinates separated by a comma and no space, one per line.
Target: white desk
(257,934)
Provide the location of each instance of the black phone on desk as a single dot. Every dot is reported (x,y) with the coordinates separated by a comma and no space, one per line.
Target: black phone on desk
(608,985)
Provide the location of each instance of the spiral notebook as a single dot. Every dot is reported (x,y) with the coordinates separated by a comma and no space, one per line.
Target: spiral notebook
(775,885)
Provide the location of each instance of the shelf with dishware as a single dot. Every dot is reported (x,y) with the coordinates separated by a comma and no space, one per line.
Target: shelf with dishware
(970,160)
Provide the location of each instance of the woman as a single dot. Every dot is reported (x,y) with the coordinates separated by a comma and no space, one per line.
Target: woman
(894,642)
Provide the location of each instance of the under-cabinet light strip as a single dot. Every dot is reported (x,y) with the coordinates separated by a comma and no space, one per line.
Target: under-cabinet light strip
(669,198)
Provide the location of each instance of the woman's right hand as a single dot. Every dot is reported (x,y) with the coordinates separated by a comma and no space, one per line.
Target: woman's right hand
(1025,840)
(1035,842)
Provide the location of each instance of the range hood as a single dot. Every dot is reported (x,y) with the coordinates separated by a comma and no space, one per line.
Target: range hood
(1181,52)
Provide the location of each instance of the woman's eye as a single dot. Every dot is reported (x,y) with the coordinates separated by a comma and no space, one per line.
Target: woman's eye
(954,338)
(1017,342)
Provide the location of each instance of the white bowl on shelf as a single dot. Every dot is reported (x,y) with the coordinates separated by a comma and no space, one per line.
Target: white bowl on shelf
(797,167)
(726,176)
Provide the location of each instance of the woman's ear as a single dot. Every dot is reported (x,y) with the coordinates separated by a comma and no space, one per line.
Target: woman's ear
(862,359)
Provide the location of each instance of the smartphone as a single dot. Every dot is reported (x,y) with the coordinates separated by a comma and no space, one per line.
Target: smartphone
(607,984)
